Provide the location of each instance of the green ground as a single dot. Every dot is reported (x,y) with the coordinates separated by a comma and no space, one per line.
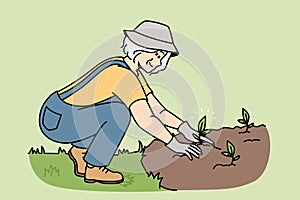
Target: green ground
(57,169)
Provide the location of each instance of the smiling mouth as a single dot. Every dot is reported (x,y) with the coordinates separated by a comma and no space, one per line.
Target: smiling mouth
(148,63)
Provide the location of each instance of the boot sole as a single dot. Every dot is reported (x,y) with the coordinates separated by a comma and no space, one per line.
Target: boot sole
(103,182)
(76,166)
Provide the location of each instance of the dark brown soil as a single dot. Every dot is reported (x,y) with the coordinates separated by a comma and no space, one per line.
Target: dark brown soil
(212,170)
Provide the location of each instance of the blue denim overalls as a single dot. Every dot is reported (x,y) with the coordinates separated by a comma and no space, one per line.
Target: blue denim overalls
(99,127)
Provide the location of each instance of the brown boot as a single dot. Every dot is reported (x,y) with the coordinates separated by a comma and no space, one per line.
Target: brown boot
(76,154)
(102,175)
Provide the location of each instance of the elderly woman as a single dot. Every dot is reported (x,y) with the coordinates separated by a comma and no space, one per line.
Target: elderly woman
(93,113)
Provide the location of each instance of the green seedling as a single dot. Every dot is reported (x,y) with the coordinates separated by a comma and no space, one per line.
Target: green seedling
(230,152)
(245,121)
(202,130)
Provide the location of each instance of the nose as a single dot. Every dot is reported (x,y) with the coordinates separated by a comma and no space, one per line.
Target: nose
(157,62)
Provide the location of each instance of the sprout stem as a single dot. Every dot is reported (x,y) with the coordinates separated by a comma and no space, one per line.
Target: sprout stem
(246,131)
(232,160)
(247,127)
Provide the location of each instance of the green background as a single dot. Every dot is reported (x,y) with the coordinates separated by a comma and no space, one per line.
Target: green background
(254,45)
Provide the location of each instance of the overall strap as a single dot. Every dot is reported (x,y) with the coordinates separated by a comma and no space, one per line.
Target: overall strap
(85,81)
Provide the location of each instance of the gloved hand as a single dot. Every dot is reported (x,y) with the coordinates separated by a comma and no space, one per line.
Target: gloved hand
(188,132)
(187,149)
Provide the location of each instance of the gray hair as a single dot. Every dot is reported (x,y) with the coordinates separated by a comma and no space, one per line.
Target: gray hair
(132,50)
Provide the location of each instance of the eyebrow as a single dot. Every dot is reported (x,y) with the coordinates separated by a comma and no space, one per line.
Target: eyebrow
(163,52)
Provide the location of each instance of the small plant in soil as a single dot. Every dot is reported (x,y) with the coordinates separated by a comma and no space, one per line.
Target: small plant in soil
(245,121)
(201,130)
(229,153)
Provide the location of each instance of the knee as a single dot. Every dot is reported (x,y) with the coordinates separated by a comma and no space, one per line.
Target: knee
(120,115)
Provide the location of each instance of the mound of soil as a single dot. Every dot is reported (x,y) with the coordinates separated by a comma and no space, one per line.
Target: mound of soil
(212,170)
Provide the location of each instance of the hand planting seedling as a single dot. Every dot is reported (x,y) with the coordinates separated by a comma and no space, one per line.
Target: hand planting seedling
(245,121)
(202,132)
(229,153)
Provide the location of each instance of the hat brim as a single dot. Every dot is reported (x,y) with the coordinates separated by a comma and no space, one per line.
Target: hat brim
(152,43)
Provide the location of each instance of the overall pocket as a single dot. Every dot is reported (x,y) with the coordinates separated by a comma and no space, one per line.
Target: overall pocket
(51,119)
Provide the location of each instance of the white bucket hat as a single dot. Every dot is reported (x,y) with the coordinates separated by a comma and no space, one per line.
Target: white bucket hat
(153,35)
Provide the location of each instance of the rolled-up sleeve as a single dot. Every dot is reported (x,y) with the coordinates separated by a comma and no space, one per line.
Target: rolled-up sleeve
(143,82)
(128,88)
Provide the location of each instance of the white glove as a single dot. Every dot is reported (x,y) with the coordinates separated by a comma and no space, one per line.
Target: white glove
(188,132)
(187,149)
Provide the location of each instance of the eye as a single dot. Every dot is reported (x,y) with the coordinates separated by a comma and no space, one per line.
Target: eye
(158,57)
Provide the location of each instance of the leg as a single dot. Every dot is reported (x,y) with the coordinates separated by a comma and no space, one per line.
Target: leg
(76,154)
(104,142)
(104,145)
(79,148)
(83,144)
(109,135)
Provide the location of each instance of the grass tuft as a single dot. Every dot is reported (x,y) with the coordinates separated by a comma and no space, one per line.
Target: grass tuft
(37,150)
(51,171)
(155,177)
(129,179)
(123,151)
(42,151)
(141,147)
(61,150)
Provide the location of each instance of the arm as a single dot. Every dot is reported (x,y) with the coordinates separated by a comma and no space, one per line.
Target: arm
(131,93)
(165,116)
(170,119)
(147,121)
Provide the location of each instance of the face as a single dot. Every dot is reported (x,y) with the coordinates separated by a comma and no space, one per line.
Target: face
(149,61)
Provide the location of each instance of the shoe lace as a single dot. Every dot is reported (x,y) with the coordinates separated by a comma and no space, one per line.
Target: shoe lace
(104,169)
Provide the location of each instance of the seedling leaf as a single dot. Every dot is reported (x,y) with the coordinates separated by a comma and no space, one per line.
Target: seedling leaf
(230,148)
(246,115)
(227,154)
(250,125)
(237,157)
(241,121)
(207,131)
(196,136)
(202,124)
